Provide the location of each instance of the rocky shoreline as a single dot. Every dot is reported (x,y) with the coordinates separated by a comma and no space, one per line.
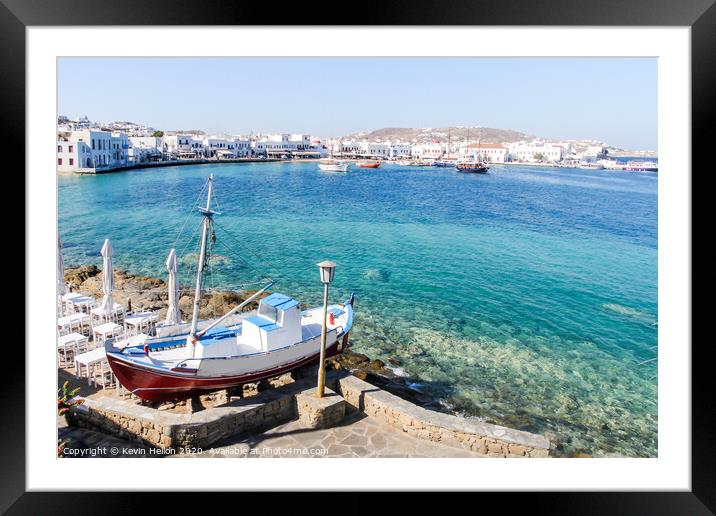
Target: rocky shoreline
(144,292)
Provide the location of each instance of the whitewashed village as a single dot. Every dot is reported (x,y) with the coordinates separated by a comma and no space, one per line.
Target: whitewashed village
(87,147)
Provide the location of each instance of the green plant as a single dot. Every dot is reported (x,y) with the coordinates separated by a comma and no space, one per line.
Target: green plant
(65,398)
(158,134)
(61,445)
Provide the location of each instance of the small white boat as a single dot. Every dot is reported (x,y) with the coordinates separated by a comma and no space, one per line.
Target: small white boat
(334,166)
(590,166)
(612,164)
(641,166)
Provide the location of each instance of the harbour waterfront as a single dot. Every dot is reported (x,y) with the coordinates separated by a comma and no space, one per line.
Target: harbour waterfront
(527,296)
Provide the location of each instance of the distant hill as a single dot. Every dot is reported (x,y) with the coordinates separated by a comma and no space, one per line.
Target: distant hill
(440,134)
(484,134)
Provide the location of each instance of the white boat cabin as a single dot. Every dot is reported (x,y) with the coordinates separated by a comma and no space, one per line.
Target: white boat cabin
(276,324)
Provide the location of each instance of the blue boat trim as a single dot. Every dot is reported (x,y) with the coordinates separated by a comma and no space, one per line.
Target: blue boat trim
(280,301)
(262,322)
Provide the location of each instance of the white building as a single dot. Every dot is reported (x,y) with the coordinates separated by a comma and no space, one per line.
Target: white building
(400,150)
(280,145)
(184,146)
(91,151)
(119,149)
(373,150)
(535,152)
(146,148)
(485,152)
(242,147)
(343,148)
(215,147)
(429,151)
(594,153)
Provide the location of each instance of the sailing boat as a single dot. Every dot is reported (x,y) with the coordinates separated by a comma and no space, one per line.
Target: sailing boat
(189,359)
(331,165)
(472,166)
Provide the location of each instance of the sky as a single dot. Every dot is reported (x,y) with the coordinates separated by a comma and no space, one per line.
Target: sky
(609,99)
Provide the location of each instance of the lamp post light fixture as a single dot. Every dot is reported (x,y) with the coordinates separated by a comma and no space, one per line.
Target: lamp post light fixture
(327,269)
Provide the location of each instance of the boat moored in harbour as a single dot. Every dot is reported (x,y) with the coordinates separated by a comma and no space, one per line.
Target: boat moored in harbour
(472,167)
(641,166)
(334,166)
(590,165)
(444,164)
(368,164)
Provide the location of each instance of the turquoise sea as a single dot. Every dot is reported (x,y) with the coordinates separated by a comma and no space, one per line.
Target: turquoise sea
(526,297)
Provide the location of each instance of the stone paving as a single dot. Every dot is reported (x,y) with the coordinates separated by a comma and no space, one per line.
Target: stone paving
(357,436)
(83,443)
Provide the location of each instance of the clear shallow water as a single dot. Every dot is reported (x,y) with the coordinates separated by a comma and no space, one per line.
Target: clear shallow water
(527,296)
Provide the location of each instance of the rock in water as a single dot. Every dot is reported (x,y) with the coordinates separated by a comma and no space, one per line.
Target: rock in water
(376,364)
(377,275)
(77,276)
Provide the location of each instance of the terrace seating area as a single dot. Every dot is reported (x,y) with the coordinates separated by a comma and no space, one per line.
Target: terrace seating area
(82,328)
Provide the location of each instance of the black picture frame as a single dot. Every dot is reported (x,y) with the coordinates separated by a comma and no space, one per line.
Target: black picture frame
(700,15)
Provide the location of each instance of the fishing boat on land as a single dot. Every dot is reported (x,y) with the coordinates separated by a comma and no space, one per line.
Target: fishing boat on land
(188,359)
(369,164)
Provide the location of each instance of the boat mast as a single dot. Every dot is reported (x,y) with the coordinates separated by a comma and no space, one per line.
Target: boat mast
(468,143)
(448,147)
(202,259)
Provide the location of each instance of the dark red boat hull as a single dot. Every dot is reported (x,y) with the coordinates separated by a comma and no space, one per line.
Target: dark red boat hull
(155,386)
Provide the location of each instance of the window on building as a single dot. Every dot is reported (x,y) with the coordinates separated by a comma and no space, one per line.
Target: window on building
(59,161)
(72,161)
(71,148)
(59,148)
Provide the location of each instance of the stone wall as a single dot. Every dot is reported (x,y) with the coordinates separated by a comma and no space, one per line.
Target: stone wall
(480,437)
(126,419)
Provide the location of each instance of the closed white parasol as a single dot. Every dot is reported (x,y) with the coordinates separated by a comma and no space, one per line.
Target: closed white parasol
(107,305)
(173,315)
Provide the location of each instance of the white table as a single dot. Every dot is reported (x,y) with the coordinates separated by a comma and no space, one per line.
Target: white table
(106,330)
(81,303)
(140,321)
(72,321)
(89,360)
(73,338)
(98,314)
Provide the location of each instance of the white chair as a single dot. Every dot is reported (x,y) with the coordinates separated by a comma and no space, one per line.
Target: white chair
(102,375)
(69,346)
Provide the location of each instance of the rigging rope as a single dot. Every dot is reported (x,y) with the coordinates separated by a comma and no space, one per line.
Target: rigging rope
(268,265)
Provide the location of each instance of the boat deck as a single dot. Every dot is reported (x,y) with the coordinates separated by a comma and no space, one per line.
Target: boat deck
(166,352)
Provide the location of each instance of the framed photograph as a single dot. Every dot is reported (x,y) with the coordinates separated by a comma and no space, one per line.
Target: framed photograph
(405,243)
